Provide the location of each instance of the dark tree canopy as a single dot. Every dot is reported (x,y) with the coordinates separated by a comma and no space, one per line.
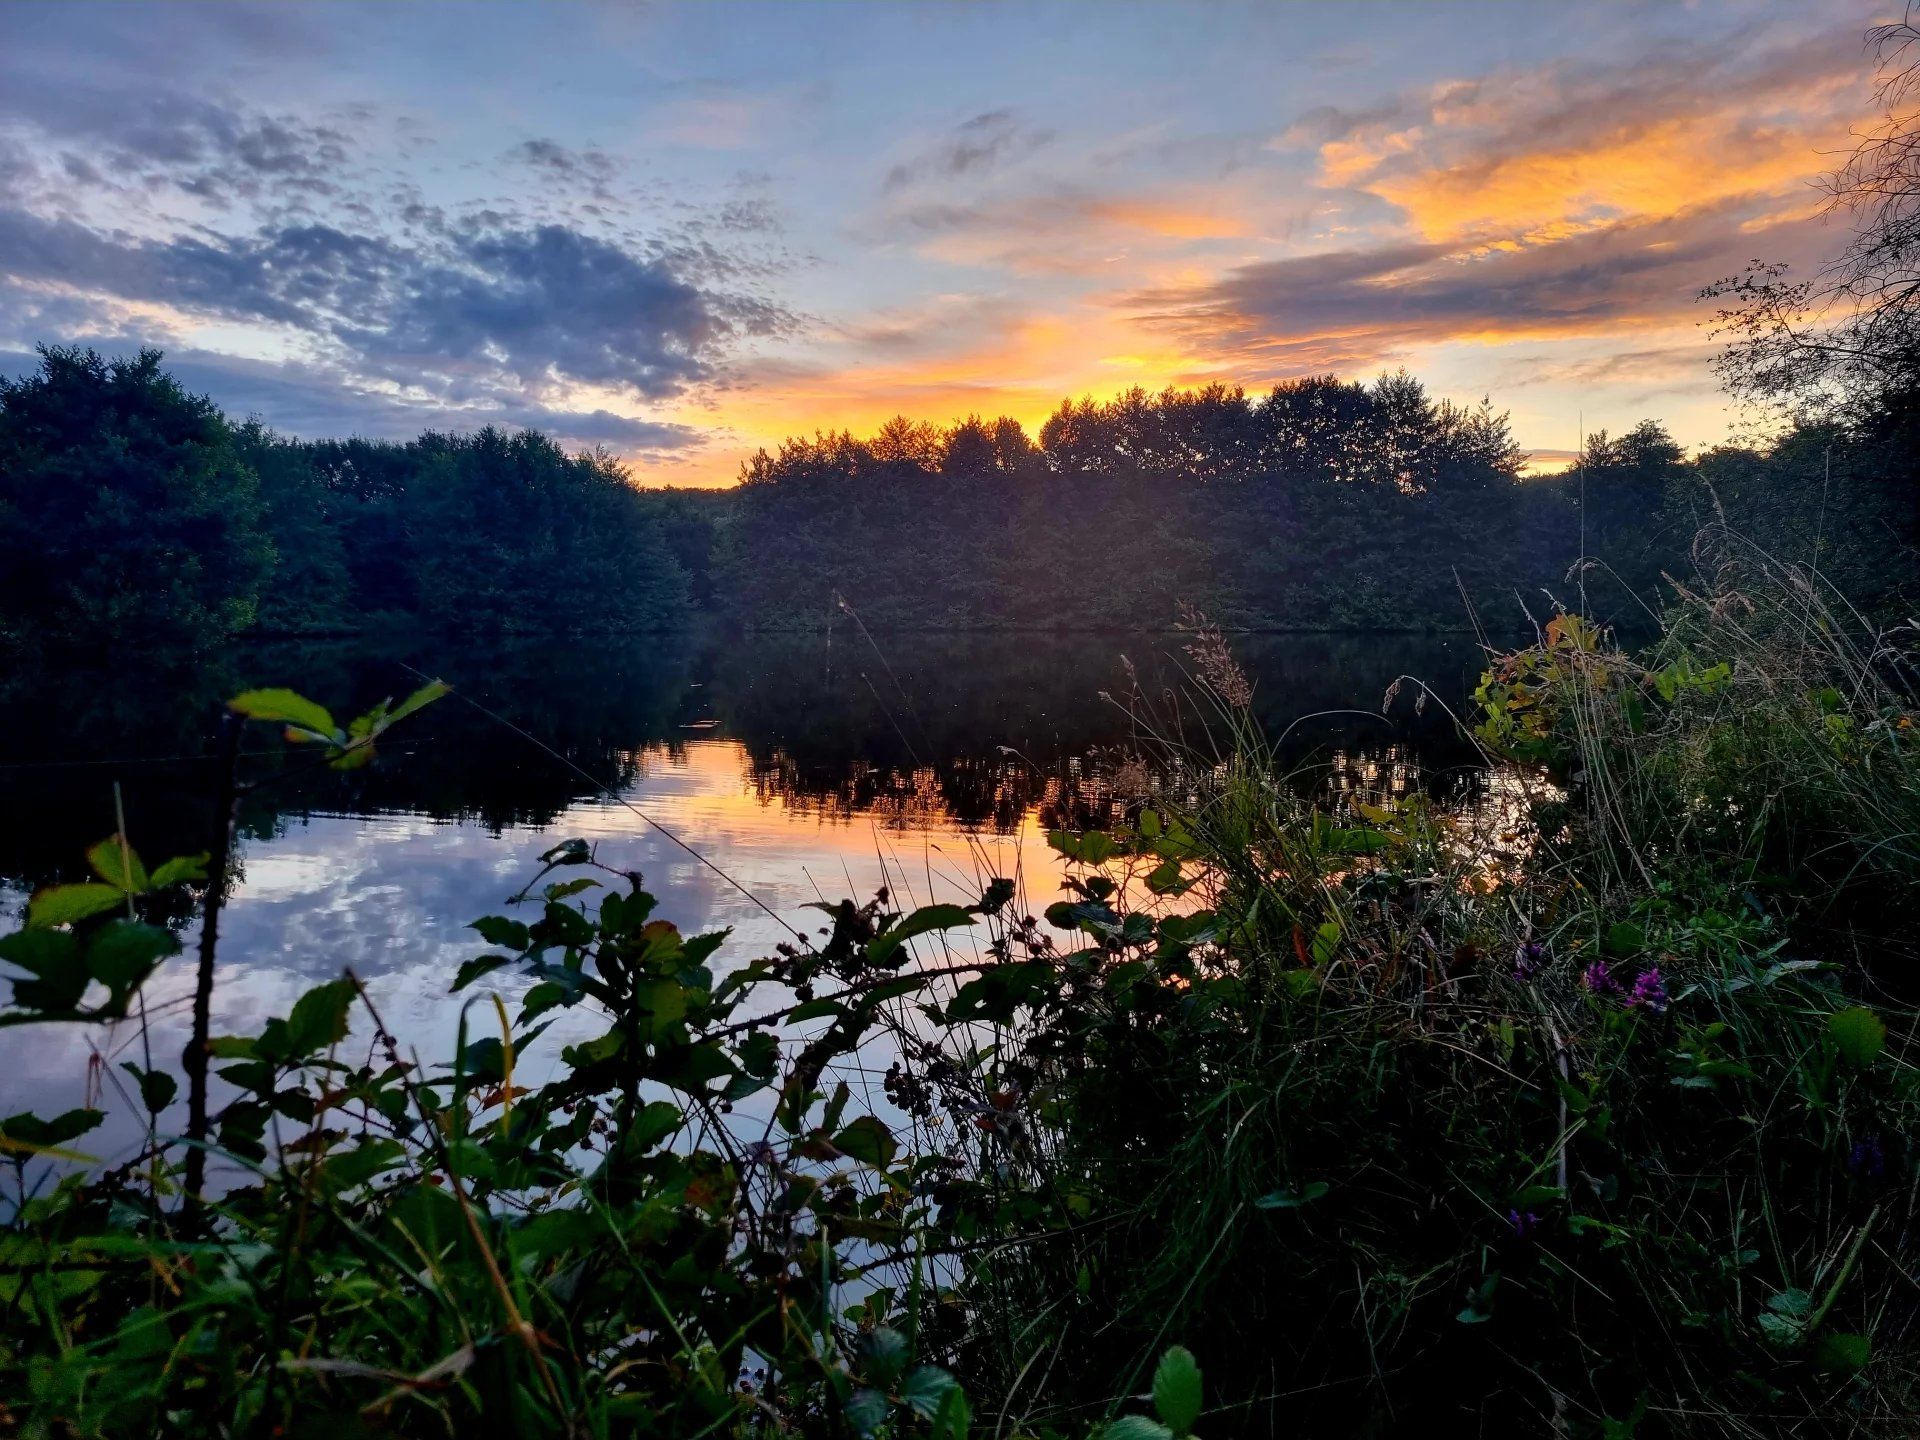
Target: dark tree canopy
(126,508)
(1321,504)
(132,512)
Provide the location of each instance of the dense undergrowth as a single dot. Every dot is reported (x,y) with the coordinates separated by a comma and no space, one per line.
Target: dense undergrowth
(1586,1111)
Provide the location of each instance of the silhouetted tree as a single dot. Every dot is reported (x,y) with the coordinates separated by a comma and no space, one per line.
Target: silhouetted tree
(126,510)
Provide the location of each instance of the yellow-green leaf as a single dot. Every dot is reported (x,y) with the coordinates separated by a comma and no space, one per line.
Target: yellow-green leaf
(287,706)
(119,865)
(64,904)
(419,700)
(1857,1033)
(180,868)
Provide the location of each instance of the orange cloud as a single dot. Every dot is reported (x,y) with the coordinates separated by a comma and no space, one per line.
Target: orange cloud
(1535,157)
(1577,205)
(1657,170)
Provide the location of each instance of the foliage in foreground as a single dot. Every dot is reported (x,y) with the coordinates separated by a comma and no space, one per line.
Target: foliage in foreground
(1586,1121)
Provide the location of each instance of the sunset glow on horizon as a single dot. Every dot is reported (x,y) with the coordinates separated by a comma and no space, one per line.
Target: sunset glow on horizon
(687,232)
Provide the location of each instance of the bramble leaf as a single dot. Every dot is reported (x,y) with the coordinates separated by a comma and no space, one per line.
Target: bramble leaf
(64,904)
(1858,1034)
(1176,1390)
(288,707)
(119,865)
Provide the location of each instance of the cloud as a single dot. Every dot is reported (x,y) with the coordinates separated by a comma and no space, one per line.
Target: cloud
(591,167)
(1536,154)
(984,143)
(153,138)
(1350,309)
(318,402)
(548,305)
(1075,230)
(496,309)
(1570,200)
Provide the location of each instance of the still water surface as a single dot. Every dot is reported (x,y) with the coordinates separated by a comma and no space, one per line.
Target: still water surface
(802,768)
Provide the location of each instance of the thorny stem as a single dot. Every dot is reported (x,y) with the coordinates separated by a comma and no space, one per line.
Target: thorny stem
(195,1060)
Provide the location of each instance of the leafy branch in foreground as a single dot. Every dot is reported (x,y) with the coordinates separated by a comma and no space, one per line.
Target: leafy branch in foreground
(1585,1112)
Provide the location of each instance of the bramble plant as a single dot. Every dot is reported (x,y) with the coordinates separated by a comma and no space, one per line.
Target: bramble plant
(1583,1113)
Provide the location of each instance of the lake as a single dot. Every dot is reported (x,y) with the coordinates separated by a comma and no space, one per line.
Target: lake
(798,768)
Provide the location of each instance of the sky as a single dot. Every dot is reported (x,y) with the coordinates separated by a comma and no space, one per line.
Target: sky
(686,231)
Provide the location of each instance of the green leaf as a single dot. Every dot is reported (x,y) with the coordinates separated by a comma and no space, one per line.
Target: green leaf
(353,758)
(1858,1034)
(179,869)
(868,1141)
(926,1388)
(926,918)
(567,852)
(360,1164)
(866,1411)
(758,1054)
(319,1017)
(1137,1427)
(1092,848)
(64,904)
(951,1420)
(1176,1390)
(995,897)
(1290,1199)
(419,700)
(33,1133)
(1625,938)
(1843,1353)
(123,953)
(119,866)
(157,1088)
(286,707)
(472,970)
(1357,842)
(1326,940)
(52,958)
(883,1356)
(498,930)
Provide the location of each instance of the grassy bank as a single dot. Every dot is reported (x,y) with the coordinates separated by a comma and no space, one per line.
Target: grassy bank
(1584,1110)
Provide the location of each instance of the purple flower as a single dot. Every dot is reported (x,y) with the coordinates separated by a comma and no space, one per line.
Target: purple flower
(1867,1159)
(1596,979)
(1528,959)
(1649,992)
(1524,1223)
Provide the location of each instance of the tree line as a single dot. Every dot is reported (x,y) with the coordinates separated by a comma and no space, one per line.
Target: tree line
(132,511)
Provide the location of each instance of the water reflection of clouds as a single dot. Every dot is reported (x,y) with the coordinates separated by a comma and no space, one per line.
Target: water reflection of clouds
(392,896)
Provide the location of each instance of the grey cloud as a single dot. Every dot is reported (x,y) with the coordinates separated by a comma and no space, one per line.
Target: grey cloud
(551,303)
(318,402)
(162,138)
(984,143)
(493,309)
(1358,307)
(591,167)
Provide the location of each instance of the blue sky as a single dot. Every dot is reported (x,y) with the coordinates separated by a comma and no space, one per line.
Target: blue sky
(684,231)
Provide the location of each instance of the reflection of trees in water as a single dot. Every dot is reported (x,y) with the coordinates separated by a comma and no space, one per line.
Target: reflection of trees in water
(978,730)
(991,792)
(70,735)
(1077,791)
(983,730)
